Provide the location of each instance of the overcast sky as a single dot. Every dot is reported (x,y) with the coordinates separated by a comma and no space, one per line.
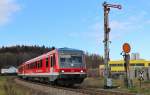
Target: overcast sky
(75,24)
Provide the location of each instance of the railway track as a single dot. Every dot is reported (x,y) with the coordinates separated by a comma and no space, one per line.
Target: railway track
(80,90)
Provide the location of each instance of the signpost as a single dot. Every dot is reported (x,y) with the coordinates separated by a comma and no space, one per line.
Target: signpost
(126,50)
(107,80)
(141,77)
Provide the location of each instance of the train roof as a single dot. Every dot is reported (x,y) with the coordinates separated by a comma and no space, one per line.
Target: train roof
(53,50)
(69,49)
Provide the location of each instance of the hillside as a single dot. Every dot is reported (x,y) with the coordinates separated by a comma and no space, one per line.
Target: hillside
(15,55)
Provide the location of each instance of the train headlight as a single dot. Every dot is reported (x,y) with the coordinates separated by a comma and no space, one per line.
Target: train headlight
(62,71)
(81,71)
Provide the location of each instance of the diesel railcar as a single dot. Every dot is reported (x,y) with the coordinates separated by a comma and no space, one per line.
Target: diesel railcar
(63,66)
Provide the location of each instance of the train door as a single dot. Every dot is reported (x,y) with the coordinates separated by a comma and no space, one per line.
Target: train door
(47,64)
(53,61)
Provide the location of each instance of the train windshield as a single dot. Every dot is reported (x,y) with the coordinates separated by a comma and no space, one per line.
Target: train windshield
(67,61)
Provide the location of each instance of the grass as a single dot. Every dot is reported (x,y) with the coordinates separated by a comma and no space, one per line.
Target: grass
(9,87)
(12,88)
(93,82)
(2,82)
(99,82)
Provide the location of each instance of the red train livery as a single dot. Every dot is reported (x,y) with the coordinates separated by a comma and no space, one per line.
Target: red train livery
(61,66)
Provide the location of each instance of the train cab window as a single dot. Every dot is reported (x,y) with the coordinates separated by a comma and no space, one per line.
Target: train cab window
(46,62)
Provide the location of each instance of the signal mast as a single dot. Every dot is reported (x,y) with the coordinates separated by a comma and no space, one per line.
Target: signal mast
(107,80)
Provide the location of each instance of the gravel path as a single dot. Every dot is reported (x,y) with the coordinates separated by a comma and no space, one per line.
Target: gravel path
(46,90)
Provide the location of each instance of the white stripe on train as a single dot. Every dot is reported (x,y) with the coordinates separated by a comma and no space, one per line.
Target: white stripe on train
(52,73)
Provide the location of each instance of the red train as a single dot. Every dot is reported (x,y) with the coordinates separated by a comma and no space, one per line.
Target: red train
(63,66)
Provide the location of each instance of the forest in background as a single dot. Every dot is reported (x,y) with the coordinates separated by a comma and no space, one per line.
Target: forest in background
(15,55)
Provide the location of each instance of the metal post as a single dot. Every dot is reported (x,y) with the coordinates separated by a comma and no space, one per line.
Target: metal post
(127,59)
(126,56)
(106,45)
(128,81)
(107,80)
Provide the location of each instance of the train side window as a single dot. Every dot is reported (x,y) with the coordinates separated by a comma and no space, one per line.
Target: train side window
(54,60)
(46,62)
(51,61)
(31,65)
(28,66)
(41,63)
(38,64)
(35,64)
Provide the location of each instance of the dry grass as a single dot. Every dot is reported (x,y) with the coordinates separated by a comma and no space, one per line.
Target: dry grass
(9,87)
(99,82)
(93,82)
(2,81)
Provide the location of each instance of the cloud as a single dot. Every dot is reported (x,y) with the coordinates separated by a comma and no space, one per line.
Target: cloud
(134,23)
(148,22)
(7,9)
(119,28)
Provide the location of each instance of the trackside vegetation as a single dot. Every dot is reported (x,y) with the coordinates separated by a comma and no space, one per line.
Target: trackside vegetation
(99,82)
(9,87)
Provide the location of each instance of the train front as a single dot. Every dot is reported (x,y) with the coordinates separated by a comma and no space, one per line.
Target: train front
(72,66)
